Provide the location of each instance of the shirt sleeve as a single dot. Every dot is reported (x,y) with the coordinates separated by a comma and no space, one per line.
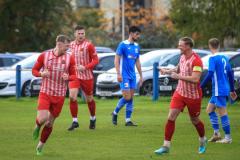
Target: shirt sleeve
(119,50)
(197,65)
(211,66)
(38,65)
(72,69)
(93,57)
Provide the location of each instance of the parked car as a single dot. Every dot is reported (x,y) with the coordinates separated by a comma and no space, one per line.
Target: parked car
(25,54)
(7,60)
(237,81)
(8,77)
(168,84)
(107,84)
(103,49)
(106,62)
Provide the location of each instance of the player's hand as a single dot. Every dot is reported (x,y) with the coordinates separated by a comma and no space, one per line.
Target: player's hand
(119,78)
(162,71)
(45,73)
(81,68)
(233,95)
(140,82)
(65,76)
(174,75)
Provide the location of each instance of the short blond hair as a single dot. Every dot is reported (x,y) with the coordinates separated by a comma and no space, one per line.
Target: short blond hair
(62,38)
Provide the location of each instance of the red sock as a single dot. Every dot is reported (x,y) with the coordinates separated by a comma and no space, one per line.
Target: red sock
(74,108)
(169,130)
(45,134)
(37,123)
(92,107)
(200,129)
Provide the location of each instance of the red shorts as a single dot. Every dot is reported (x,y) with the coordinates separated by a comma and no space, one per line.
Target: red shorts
(53,104)
(85,85)
(193,105)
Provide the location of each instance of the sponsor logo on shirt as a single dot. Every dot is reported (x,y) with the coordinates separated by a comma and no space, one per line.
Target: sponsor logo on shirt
(131,56)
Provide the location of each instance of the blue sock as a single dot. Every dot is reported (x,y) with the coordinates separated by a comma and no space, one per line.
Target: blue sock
(120,104)
(129,109)
(225,124)
(214,121)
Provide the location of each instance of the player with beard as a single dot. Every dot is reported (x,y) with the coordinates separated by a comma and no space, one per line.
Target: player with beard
(127,56)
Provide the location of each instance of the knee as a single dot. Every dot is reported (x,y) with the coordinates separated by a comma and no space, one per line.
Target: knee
(73,98)
(49,124)
(89,98)
(127,97)
(208,110)
(195,120)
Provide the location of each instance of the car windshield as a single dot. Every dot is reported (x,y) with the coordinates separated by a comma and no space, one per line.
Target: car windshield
(27,63)
(150,58)
(206,58)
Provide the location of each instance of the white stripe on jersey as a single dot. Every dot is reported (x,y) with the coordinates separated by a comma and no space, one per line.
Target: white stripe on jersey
(216,83)
(81,54)
(54,85)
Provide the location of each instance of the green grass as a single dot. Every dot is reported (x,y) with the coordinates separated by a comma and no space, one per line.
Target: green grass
(108,142)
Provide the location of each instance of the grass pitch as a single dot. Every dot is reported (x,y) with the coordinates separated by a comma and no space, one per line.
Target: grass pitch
(108,142)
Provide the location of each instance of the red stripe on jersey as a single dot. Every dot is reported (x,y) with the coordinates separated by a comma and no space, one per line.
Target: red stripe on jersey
(184,88)
(82,57)
(54,85)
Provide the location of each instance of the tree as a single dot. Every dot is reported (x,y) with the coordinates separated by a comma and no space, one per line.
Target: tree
(206,19)
(32,25)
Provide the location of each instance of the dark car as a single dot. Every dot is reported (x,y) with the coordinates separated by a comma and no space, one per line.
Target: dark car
(167,85)
(106,62)
(7,60)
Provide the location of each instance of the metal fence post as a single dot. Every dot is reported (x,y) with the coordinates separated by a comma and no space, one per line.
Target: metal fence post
(155,82)
(18,81)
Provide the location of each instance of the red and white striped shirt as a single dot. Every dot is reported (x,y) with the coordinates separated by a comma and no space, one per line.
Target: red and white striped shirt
(84,54)
(54,85)
(187,67)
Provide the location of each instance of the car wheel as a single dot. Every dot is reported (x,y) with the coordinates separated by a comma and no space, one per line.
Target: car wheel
(146,88)
(26,90)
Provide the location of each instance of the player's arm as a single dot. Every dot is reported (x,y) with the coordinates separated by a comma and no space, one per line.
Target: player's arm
(211,70)
(194,78)
(196,73)
(37,67)
(93,57)
(138,65)
(72,69)
(164,71)
(119,53)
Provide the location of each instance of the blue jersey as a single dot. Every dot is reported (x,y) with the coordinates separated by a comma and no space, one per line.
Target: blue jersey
(129,53)
(220,66)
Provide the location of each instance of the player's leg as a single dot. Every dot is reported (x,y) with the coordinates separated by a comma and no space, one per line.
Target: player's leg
(213,119)
(176,106)
(54,111)
(222,110)
(124,85)
(73,93)
(129,110)
(42,114)
(194,109)
(169,131)
(87,87)
(47,130)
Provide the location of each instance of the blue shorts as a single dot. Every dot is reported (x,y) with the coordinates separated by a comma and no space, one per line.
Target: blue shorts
(128,84)
(219,101)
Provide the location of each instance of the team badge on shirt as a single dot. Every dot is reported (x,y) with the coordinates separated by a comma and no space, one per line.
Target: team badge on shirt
(136,50)
(126,85)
